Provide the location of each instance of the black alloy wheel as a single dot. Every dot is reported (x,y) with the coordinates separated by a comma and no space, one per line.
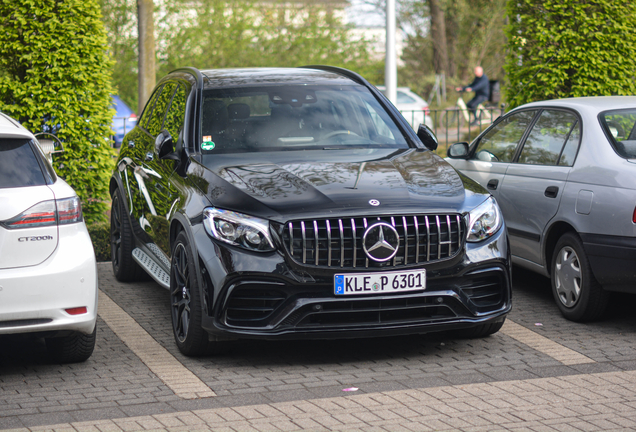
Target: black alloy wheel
(122,244)
(185,301)
(575,289)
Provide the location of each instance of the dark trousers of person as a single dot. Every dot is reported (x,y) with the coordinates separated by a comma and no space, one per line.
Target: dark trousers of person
(474,102)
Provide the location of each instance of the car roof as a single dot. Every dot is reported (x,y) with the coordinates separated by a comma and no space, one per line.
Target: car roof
(10,128)
(591,105)
(247,77)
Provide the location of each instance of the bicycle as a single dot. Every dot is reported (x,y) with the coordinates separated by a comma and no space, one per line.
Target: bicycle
(458,115)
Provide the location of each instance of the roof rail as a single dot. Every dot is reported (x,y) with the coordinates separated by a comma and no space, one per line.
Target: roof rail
(340,71)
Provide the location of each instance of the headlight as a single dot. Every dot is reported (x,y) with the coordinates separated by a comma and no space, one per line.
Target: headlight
(484,221)
(237,229)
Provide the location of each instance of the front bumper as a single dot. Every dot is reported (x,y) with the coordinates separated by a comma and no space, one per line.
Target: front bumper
(266,296)
(33,299)
(613,260)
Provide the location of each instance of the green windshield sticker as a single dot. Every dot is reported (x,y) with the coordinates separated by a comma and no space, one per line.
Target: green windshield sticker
(207,145)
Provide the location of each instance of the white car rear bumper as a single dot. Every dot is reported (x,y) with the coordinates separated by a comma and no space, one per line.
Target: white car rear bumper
(35,299)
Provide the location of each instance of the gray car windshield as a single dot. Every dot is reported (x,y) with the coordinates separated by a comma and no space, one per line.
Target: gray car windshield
(620,127)
(295,118)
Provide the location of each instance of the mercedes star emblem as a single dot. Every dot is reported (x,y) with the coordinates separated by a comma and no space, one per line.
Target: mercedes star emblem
(374,202)
(381,242)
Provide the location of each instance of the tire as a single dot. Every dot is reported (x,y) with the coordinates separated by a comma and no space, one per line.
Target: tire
(576,291)
(185,301)
(122,243)
(74,348)
(479,331)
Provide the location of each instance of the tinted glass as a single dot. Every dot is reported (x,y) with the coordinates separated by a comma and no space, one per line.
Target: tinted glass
(620,128)
(145,117)
(545,142)
(176,113)
(295,117)
(155,124)
(19,166)
(500,142)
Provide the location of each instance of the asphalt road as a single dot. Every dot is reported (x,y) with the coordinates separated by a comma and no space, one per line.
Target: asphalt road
(540,372)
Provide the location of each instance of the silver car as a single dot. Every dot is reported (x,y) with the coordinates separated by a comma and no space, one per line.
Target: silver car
(564,174)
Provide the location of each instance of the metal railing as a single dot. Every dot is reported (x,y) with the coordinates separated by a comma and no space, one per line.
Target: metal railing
(453,124)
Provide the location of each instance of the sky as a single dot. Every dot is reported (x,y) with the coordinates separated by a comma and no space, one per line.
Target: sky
(363,14)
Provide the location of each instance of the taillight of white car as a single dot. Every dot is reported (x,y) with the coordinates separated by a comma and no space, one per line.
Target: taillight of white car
(48,213)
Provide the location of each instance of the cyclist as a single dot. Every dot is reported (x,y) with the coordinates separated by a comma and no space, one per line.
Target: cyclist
(481,87)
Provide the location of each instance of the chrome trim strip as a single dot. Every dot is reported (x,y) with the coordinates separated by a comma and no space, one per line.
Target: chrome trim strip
(341,243)
(406,241)
(355,246)
(329,242)
(439,237)
(395,257)
(291,239)
(417,240)
(317,249)
(302,230)
(428,240)
(364,222)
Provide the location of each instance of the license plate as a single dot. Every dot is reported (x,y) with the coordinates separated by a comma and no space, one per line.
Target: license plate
(379,283)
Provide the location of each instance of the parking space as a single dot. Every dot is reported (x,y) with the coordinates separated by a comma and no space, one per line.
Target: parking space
(137,375)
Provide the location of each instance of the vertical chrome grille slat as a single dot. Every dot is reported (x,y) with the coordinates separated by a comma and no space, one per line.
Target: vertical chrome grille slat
(439,237)
(366,263)
(341,243)
(355,246)
(395,257)
(406,241)
(328,243)
(316,246)
(433,240)
(428,240)
(302,231)
(417,240)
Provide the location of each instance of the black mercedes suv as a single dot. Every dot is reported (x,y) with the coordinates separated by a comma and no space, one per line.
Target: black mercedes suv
(298,203)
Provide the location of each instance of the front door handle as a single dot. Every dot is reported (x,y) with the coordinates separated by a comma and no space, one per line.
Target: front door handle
(552,191)
(149,156)
(492,184)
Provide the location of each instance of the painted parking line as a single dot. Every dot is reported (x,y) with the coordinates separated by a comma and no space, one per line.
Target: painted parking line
(164,365)
(542,344)
(602,401)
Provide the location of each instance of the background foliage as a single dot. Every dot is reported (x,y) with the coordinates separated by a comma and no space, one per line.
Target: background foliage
(55,77)
(569,48)
(211,34)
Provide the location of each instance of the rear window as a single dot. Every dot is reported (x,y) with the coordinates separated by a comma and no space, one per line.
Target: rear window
(19,166)
(620,128)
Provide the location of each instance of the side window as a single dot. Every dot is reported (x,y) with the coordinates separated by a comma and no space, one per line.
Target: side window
(548,135)
(571,146)
(500,143)
(155,122)
(176,113)
(143,120)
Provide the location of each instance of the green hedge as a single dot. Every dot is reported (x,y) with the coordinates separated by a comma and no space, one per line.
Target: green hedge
(55,76)
(569,48)
(100,235)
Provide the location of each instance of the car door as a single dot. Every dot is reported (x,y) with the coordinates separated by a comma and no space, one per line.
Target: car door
(531,190)
(494,151)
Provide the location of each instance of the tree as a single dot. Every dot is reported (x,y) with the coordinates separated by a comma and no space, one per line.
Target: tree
(567,48)
(55,77)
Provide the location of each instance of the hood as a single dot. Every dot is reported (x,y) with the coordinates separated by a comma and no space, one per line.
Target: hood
(282,186)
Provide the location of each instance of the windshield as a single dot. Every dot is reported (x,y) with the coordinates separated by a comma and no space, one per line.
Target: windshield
(620,127)
(294,118)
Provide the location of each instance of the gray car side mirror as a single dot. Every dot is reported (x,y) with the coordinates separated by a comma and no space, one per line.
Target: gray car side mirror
(458,151)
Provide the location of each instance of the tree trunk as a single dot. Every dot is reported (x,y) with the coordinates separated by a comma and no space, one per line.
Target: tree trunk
(438,35)
(146,29)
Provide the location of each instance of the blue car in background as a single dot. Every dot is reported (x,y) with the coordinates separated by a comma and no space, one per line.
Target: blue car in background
(124,120)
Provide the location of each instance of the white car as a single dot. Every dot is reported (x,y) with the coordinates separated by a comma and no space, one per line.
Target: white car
(48,273)
(414,109)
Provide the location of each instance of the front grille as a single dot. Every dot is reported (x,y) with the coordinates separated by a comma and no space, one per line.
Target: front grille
(377,312)
(338,242)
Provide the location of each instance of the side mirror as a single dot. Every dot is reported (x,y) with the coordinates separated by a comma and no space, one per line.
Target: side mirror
(427,137)
(458,151)
(164,146)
